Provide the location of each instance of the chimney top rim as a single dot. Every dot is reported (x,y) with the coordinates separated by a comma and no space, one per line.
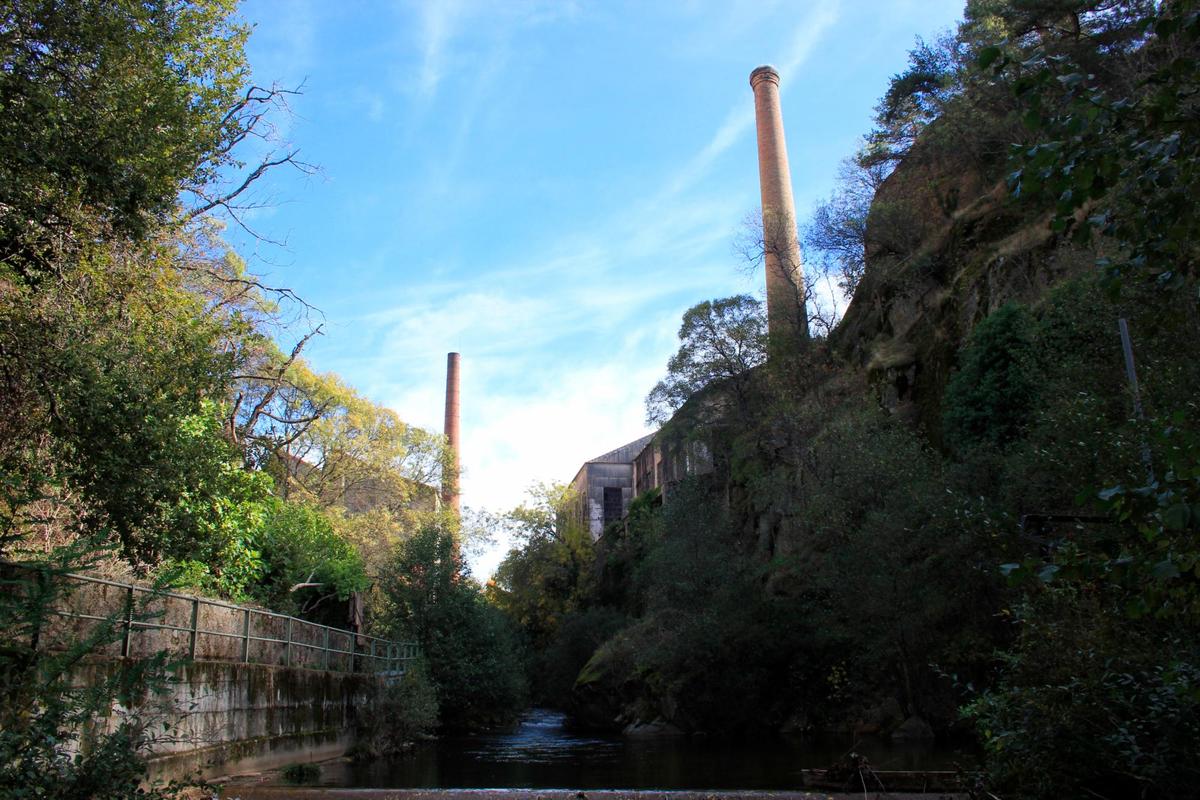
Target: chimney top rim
(764,73)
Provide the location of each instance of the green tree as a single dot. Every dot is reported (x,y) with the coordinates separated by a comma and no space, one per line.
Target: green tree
(470,647)
(350,450)
(304,561)
(540,578)
(1112,98)
(720,341)
(211,538)
(544,585)
(109,110)
(110,371)
(117,347)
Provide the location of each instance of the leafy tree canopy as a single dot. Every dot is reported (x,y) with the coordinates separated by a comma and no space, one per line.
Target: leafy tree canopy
(720,341)
(107,111)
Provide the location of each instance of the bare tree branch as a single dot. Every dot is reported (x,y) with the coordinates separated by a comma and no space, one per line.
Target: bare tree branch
(273,389)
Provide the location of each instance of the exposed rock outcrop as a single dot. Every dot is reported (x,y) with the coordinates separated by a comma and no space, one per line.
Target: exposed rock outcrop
(947,245)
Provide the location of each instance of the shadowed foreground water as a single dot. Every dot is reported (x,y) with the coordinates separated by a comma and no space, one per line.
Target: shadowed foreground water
(542,754)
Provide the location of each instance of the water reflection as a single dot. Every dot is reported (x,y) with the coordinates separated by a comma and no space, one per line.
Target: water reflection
(541,753)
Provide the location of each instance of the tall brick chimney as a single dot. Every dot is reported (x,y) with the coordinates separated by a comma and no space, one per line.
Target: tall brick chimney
(787,317)
(450,492)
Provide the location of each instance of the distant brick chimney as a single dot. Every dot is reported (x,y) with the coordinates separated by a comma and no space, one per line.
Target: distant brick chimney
(787,317)
(450,491)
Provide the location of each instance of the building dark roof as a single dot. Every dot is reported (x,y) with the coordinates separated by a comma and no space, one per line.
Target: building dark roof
(624,454)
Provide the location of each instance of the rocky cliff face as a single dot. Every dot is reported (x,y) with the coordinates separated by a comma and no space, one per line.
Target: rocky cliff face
(947,245)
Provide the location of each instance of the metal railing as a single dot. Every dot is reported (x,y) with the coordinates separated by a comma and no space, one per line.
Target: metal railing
(296,643)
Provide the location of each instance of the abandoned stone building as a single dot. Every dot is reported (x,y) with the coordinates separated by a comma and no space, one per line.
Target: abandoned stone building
(606,485)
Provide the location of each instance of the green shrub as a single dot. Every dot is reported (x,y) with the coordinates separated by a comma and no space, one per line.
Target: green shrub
(413,705)
(555,667)
(989,398)
(298,545)
(1091,702)
(301,773)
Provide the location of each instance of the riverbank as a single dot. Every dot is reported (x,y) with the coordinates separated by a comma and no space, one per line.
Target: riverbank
(245,792)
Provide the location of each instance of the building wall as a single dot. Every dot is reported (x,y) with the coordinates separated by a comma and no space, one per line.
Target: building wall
(590,484)
(660,466)
(634,469)
(648,469)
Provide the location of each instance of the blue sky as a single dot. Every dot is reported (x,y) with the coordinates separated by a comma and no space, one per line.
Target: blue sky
(544,187)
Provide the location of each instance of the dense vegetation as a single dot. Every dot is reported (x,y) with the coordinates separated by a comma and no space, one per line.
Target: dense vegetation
(952,516)
(470,648)
(949,515)
(158,422)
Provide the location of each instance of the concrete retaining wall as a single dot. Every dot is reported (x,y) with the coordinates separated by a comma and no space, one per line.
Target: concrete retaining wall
(249,690)
(219,718)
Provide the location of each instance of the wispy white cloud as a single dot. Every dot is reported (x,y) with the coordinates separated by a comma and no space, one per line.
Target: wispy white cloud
(371,101)
(439,21)
(737,122)
(561,344)
(532,408)
(806,37)
(740,118)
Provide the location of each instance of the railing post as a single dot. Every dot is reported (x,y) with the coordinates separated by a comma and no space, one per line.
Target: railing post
(195,627)
(374,668)
(246,636)
(287,648)
(35,636)
(128,622)
(325,664)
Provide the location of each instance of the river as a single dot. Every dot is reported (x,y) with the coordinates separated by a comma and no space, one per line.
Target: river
(542,753)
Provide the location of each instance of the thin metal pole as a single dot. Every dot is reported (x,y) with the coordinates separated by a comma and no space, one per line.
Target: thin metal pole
(128,622)
(1130,369)
(287,649)
(325,664)
(35,637)
(195,626)
(246,636)
(1131,376)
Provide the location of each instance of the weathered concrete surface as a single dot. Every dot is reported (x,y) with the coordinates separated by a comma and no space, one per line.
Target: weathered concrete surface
(250,792)
(223,719)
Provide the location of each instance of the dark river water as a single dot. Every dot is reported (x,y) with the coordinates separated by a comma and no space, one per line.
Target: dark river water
(542,754)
